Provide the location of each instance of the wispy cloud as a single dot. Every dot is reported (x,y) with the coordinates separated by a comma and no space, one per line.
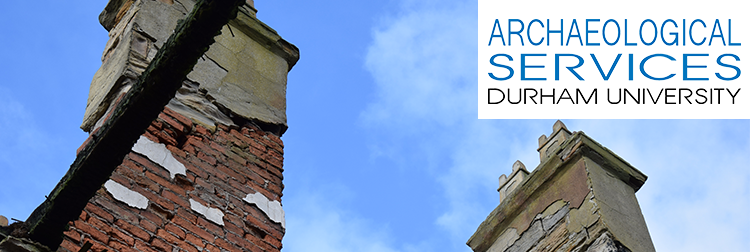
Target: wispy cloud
(319,223)
(423,60)
(23,148)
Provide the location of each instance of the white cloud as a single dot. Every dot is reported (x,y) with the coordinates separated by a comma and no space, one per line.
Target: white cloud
(18,128)
(24,147)
(424,65)
(315,223)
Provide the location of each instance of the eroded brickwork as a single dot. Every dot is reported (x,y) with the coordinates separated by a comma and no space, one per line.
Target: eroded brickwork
(222,168)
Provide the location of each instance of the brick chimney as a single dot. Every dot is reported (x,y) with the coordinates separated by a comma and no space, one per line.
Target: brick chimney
(207,173)
(580,198)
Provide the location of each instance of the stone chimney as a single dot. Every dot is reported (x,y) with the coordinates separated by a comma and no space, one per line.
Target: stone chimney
(207,173)
(580,198)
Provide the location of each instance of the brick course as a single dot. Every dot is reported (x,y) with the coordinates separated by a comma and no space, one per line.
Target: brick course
(222,167)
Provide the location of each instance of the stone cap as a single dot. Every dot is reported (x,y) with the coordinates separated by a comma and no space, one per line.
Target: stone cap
(518,166)
(575,146)
(516,178)
(547,145)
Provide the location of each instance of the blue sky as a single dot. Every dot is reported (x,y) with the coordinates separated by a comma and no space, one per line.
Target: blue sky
(384,151)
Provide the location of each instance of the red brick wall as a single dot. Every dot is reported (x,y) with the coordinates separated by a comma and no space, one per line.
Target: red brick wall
(222,168)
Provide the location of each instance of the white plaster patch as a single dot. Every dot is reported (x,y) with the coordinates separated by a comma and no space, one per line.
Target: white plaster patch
(159,154)
(213,214)
(122,193)
(272,208)
(276,213)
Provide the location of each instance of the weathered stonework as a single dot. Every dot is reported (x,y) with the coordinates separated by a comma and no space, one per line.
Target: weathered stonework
(243,74)
(132,113)
(207,173)
(580,198)
(507,185)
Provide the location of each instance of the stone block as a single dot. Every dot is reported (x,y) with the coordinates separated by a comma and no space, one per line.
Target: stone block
(190,102)
(157,19)
(584,216)
(254,85)
(116,72)
(554,213)
(207,73)
(529,238)
(504,241)
(266,62)
(554,239)
(619,207)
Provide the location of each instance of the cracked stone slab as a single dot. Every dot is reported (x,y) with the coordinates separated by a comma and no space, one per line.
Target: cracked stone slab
(213,214)
(272,208)
(529,238)
(504,241)
(549,221)
(122,193)
(158,153)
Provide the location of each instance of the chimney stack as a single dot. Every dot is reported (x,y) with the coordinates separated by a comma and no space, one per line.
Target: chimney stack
(206,175)
(581,197)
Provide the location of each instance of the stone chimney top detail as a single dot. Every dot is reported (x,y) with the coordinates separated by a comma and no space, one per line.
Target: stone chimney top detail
(581,197)
(560,133)
(516,178)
